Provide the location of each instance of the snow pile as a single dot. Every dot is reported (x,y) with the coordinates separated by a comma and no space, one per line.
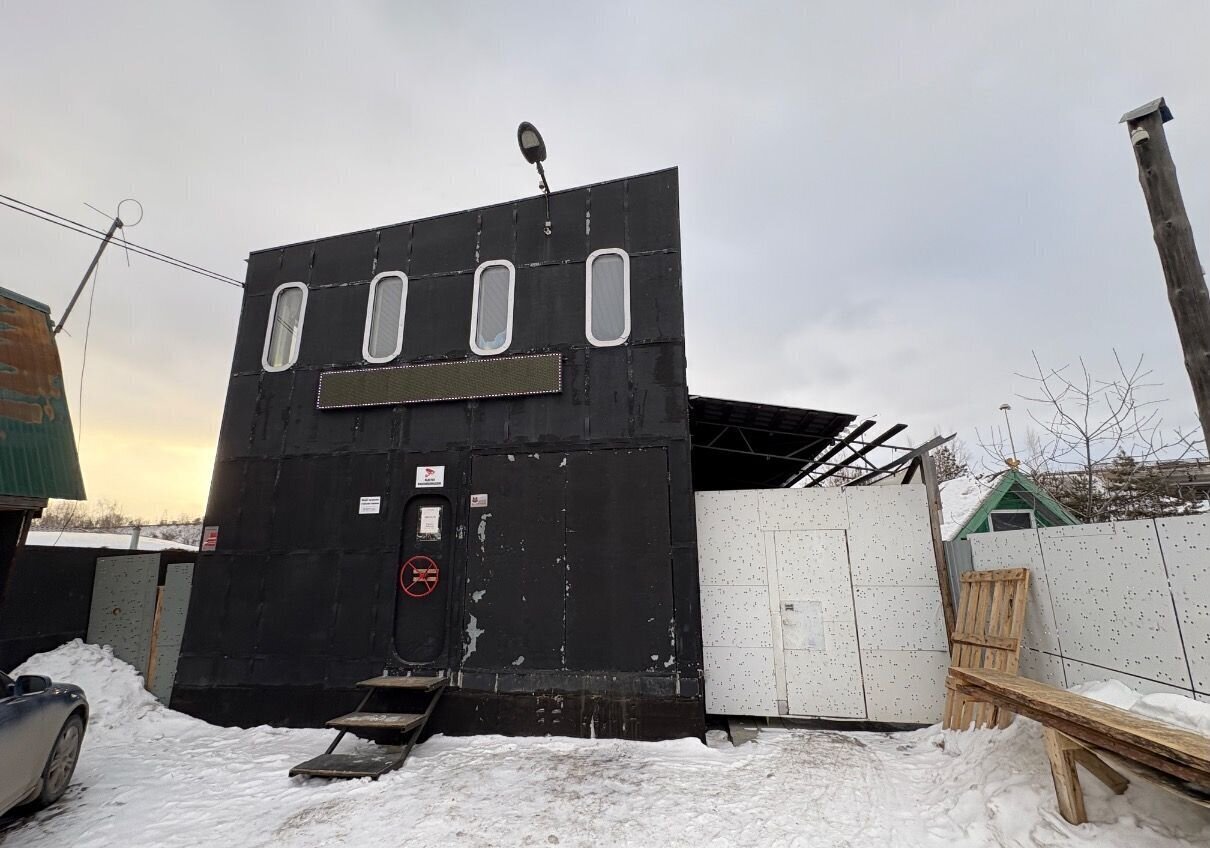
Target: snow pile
(88,539)
(1168,707)
(150,776)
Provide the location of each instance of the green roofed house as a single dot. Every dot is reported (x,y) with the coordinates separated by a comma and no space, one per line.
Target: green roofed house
(1005,501)
(38,459)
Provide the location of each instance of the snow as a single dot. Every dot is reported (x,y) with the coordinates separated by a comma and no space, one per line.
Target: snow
(83,539)
(961,498)
(149,776)
(1162,706)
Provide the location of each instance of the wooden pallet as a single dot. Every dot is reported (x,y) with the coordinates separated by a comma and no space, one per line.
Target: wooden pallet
(1081,731)
(991,617)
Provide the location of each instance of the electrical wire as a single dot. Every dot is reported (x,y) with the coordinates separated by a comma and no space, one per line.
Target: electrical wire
(84,229)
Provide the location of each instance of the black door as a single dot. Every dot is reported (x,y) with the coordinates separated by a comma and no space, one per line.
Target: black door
(422,584)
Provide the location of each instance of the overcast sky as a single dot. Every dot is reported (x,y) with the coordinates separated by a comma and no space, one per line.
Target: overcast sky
(885,207)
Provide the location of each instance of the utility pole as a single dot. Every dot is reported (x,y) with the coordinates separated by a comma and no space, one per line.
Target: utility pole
(113,228)
(1183,272)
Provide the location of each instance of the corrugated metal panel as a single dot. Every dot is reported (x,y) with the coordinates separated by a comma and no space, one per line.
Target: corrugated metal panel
(37,448)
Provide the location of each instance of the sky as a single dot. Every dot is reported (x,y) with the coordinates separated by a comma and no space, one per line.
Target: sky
(886,208)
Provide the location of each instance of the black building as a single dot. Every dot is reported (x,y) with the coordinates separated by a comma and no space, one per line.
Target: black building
(460,445)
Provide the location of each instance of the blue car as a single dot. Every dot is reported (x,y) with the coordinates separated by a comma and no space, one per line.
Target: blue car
(41,727)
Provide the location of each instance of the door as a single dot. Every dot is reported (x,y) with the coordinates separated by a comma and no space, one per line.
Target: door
(422,584)
(818,626)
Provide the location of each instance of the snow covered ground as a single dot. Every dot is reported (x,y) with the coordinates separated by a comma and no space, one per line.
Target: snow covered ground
(149,776)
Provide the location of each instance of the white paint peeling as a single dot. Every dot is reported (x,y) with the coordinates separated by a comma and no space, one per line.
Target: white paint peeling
(655,656)
(519,660)
(478,596)
(483,529)
(472,634)
(511,458)
(563,464)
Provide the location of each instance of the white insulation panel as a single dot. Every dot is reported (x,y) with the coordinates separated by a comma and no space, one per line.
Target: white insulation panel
(780,572)
(1127,601)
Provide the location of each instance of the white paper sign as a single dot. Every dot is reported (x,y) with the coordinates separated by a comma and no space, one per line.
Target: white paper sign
(430,476)
(478,501)
(802,626)
(430,521)
(369,506)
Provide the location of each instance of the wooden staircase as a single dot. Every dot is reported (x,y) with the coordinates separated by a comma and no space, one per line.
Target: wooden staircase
(408,725)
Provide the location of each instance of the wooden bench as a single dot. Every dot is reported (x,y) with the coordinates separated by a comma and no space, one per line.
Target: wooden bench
(1081,731)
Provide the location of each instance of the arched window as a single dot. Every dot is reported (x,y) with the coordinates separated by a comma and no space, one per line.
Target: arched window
(385,309)
(287,308)
(492,307)
(607,297)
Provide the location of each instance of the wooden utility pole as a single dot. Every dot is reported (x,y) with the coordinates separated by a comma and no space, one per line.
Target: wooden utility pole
(1183,272)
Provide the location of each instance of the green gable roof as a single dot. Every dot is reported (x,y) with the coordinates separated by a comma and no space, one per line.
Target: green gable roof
(37,447)
(1013,490)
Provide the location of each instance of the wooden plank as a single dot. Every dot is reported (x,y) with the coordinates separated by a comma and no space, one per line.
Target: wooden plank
(928,467)
(378,721)
(1091,721)
(423,684)
(993,575)
(1102,772)
(1061,753)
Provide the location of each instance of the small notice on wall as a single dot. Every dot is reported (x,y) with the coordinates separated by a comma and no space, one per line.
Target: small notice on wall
(802,626)
(210,538)
(430,476)
(430,523)
(478,501)
(369,505)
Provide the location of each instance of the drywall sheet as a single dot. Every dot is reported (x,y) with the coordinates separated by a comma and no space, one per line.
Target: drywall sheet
(814,598)
(174,606)
(1127,600)
(123,606)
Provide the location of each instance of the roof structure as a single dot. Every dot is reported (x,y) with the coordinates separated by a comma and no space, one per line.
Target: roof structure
(742,445)
(967,501)
(38,457)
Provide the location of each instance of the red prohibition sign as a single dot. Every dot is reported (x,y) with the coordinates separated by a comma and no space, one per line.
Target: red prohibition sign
(419,576)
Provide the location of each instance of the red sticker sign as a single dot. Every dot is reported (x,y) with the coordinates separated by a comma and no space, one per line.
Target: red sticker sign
(419,576)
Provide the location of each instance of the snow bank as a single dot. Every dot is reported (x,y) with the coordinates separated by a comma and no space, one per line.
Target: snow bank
(84,539)
(1168,707)
(150,776)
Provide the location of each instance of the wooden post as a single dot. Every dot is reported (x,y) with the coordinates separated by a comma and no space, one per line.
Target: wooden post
(928,471)
(1061,752)
(1183,272)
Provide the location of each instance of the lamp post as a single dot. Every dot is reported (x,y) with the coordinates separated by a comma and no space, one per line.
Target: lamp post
(1012,461)
(533,148)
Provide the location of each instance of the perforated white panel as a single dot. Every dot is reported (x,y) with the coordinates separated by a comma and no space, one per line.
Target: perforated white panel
(803,509)
(1111,599)
(1078,672)
(897,618)
(828,682)
(740,681)
(1185,543)
(1021,549)
(890,541)
(905,686)
(736,616)
(731,548)
(1044,668)
(814,565)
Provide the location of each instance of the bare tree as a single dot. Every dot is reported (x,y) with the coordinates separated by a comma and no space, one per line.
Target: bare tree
(1082,425)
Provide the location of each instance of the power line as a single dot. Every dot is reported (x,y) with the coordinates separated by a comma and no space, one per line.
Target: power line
(85,230)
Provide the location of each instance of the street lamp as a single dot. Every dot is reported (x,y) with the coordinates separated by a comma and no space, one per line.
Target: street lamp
(1012,461)
(533,148)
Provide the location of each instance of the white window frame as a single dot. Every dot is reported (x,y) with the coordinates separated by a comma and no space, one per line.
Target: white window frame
(297,341)
(403,309)
(508,328)
(1033,519)
(593,340)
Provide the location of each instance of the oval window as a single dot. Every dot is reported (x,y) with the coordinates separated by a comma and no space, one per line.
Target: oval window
(607,297)
(492,308)
(383,338)
(284,333)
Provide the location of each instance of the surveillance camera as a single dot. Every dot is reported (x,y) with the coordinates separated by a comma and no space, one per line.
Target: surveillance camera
(1139,136)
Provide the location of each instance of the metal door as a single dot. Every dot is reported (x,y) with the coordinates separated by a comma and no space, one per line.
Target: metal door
(422,579)
(818,627)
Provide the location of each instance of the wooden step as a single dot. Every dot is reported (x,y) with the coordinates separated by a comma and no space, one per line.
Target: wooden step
(417,683)
(347,765)
(378,721)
